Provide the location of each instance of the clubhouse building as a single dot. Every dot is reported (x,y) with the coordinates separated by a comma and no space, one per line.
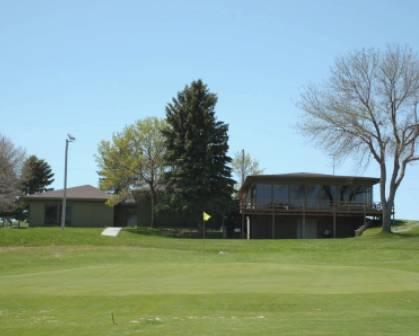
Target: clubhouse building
(305,205)
(299,205)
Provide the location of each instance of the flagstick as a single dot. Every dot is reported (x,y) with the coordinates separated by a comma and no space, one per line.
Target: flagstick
(203,228)
(203,237)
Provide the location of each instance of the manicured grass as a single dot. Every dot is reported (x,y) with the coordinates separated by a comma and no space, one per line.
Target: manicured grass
(72,282)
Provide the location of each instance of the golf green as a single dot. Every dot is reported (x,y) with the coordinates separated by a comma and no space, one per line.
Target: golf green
(139,284)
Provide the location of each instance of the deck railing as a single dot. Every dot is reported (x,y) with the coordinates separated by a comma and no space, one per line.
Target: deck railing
(326,207)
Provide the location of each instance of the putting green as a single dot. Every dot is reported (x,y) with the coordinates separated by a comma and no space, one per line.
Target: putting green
(209,278)
(77,282)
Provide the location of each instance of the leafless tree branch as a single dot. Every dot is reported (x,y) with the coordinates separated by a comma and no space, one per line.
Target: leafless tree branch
(367,108)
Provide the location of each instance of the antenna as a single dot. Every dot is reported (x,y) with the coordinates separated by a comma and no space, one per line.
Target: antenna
(335,162)
(242,167)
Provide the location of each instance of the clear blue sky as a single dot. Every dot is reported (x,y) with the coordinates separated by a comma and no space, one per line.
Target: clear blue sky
(91,67)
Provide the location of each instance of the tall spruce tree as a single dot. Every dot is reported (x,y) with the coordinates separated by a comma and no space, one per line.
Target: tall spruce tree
(199,176)
(36,175)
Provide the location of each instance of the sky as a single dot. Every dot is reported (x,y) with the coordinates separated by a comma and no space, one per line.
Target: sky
(89,68)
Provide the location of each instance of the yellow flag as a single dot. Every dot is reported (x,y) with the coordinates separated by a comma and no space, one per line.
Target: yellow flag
(205,216)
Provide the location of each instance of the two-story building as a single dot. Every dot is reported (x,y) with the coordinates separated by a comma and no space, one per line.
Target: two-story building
(305,205)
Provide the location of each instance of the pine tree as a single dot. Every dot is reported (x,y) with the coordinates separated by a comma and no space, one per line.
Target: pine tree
(36,175)
(199,176)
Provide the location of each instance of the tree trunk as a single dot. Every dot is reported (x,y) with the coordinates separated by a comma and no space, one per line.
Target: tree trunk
(152,204)
(386,204)
(387,209)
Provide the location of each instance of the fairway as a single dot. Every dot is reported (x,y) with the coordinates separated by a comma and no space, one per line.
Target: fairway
(55,283)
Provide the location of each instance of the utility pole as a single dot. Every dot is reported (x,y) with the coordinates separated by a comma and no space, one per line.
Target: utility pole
(69,139)
(242,167)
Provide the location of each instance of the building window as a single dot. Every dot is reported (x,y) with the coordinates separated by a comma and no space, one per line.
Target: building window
(357,194)
(313,196)
(280,195)
(297,196)
(327,196)
(263,195)
(53,215)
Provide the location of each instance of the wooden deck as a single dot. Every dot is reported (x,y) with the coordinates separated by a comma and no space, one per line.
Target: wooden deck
(330,209)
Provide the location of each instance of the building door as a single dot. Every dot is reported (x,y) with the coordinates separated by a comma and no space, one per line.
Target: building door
(132,220)
(52,215)
(307,229)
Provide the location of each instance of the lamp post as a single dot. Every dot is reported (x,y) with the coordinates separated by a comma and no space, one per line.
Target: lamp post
(69,139)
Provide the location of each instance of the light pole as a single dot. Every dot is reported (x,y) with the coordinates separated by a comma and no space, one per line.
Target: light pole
(69,139)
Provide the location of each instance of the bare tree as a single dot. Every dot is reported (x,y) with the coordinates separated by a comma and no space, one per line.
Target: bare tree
(244,165)
(367,108)
(11,159)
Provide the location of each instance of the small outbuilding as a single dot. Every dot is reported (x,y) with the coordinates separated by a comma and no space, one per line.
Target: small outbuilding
(86,207)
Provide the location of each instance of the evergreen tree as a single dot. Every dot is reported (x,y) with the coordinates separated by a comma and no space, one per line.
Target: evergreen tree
(199,176)
(36,175)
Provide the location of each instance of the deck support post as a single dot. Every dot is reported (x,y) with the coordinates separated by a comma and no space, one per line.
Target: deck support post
(334,221)
(273,226)
(242,230)
(248,228)
(364,222)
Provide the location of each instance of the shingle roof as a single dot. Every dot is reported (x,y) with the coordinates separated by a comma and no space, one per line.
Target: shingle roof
(314,177)
(84,192)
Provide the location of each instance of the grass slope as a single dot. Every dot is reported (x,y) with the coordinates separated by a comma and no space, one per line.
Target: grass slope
(63,283)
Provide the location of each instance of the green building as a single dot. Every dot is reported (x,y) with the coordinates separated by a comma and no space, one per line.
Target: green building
(87,207)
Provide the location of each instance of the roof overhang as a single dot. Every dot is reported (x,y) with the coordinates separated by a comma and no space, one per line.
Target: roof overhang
(79,199)
(306,178)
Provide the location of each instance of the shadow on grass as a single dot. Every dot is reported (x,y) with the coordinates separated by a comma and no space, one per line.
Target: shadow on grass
(145,231)
(400,229)
(186,233)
